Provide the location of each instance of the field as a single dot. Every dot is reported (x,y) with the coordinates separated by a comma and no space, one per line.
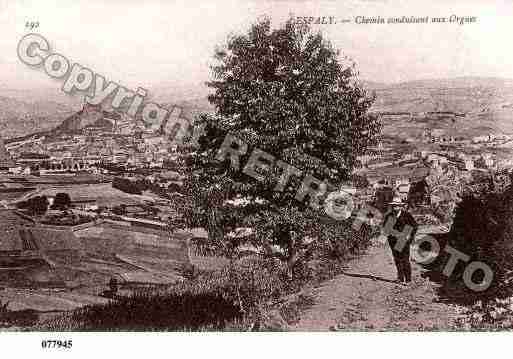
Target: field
(75,269)
(102,194)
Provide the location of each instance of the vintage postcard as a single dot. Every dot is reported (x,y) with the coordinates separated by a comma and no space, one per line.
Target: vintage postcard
(255,166)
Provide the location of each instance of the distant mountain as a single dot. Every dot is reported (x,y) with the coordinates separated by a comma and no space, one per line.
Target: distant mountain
(465,94)
(486,102)
(33,111)
(192,108)
(95,116)
(372,85)
(463,82)
(88,116)
(19,117)
(198,103)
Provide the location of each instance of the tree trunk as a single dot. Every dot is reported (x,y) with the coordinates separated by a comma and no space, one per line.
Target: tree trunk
(214,228)
(293,256)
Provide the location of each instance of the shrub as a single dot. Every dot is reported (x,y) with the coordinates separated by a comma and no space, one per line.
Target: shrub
(148,310)
(482,229)
(125,185)
(488,316)
(61,201)
(212,301)
(67,219)
(35,205)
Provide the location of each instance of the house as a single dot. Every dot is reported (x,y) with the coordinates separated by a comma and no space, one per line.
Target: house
(399,181)
(16,170)
(464,163)
(505,163)
(469,164)
(403,190)
(437,134)
(479,139)
(421,153)
(21,170)
(485,161)
(436,160)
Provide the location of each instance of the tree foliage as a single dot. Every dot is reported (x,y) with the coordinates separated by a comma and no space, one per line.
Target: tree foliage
(285,92)
(36,205)
(62,201)
(482,229)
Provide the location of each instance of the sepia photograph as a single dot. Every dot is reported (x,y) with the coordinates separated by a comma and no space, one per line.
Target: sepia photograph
(255,166)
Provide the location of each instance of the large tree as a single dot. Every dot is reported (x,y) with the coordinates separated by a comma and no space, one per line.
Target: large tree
(288,93)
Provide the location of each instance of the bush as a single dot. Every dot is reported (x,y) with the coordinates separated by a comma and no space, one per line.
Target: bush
(488,316)
(212,301)
(482,229)
(66,219)
(157,311)
(125,185)
(239,296)
(61,202)
(36,205)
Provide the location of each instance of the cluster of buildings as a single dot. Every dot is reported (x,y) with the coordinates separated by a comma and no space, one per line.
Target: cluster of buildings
(432,115)
(85,152)
(86,140)
(442,136)
(434,157)
(396,168)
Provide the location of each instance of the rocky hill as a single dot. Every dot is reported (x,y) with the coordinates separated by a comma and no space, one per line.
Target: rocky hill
(89,116)
(19,117)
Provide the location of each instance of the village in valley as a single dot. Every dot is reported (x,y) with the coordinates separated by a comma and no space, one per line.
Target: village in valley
(89,203)
(439,141)
(86,206)
(409,166)
(247,166)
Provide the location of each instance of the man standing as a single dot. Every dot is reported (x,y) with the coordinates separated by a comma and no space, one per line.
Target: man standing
(400,228)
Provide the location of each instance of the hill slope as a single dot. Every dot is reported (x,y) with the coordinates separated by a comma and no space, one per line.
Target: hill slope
(19,117)
(487,103)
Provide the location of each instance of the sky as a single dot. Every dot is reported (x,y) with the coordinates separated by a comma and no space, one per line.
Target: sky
(170,43)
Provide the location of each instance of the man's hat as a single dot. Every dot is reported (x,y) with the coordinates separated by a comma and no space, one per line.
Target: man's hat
(397,201)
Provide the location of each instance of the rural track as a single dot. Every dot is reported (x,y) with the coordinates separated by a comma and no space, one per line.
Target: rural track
(366,298)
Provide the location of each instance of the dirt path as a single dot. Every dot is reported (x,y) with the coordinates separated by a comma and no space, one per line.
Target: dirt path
(366,298)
